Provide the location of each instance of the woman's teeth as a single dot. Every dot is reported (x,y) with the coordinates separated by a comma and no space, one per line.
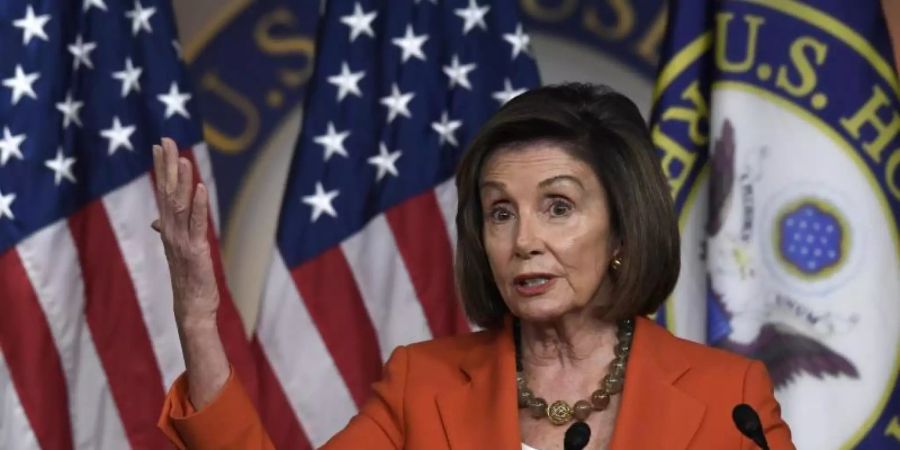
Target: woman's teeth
(531,282)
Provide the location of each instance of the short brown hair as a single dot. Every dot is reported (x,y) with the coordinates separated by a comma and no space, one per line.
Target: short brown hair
(605,130)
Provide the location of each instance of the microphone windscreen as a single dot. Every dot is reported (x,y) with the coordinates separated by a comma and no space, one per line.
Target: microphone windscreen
(747,421)
(577,436)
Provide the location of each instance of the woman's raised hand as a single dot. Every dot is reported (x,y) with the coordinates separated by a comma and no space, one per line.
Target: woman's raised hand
(182,224)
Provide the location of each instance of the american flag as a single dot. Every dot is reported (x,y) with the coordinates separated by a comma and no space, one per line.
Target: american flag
(363,261)
(88,342)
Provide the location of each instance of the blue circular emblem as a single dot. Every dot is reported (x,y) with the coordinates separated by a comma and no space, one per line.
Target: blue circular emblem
(812,237)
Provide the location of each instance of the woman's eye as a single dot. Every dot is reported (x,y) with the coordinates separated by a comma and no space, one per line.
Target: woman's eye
(560,208)
(500,215)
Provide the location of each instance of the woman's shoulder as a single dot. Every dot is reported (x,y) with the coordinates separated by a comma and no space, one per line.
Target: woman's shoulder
(453,349)
(442,362)
(717,378)
(700,357)
(713,379)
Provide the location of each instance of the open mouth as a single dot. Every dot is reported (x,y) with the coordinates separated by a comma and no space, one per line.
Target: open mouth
(533,283)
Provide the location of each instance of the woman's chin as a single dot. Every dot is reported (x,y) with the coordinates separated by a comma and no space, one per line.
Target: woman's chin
(539,310)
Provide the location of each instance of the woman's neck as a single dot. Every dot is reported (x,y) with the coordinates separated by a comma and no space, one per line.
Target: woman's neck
(568,343)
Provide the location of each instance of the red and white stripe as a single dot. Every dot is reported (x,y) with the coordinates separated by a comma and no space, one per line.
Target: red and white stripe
(300,362)
(88,343)
(326,326)
(203,164)
(51,262)
(15,431)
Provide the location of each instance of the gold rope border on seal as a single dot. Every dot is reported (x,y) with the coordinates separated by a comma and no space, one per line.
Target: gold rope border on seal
(837,29)
(198,43)
(687,55)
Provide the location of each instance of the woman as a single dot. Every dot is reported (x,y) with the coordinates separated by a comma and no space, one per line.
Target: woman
(566,241)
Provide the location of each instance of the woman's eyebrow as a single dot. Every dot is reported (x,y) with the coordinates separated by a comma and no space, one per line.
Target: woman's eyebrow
(495,185)
(561,179)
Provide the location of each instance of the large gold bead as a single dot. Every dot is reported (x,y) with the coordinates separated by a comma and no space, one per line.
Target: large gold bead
(560,413)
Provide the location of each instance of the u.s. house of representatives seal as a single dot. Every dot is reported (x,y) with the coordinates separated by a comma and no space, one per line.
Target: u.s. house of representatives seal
(780,136)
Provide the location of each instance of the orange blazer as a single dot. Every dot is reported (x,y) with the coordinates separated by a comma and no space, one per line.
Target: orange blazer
(460,393)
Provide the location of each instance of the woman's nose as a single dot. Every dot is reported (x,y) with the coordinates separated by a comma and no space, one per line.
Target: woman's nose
(528,244)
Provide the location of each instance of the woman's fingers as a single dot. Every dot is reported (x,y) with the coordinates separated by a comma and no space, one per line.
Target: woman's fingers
(159,169)
(170,154)
(181,198)
(174,187)
(199,214)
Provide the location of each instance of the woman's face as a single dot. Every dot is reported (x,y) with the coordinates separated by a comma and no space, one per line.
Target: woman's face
(546,230)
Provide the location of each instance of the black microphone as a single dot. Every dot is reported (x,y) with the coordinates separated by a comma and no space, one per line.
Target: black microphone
(747,421)
(577,436)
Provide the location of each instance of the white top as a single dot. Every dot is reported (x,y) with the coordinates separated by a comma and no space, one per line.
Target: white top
(527,447)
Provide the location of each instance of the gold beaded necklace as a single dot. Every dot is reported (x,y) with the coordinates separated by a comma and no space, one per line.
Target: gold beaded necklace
(559,412)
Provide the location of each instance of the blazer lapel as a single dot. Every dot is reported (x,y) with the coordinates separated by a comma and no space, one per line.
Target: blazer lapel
(483,412)
(654,413)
